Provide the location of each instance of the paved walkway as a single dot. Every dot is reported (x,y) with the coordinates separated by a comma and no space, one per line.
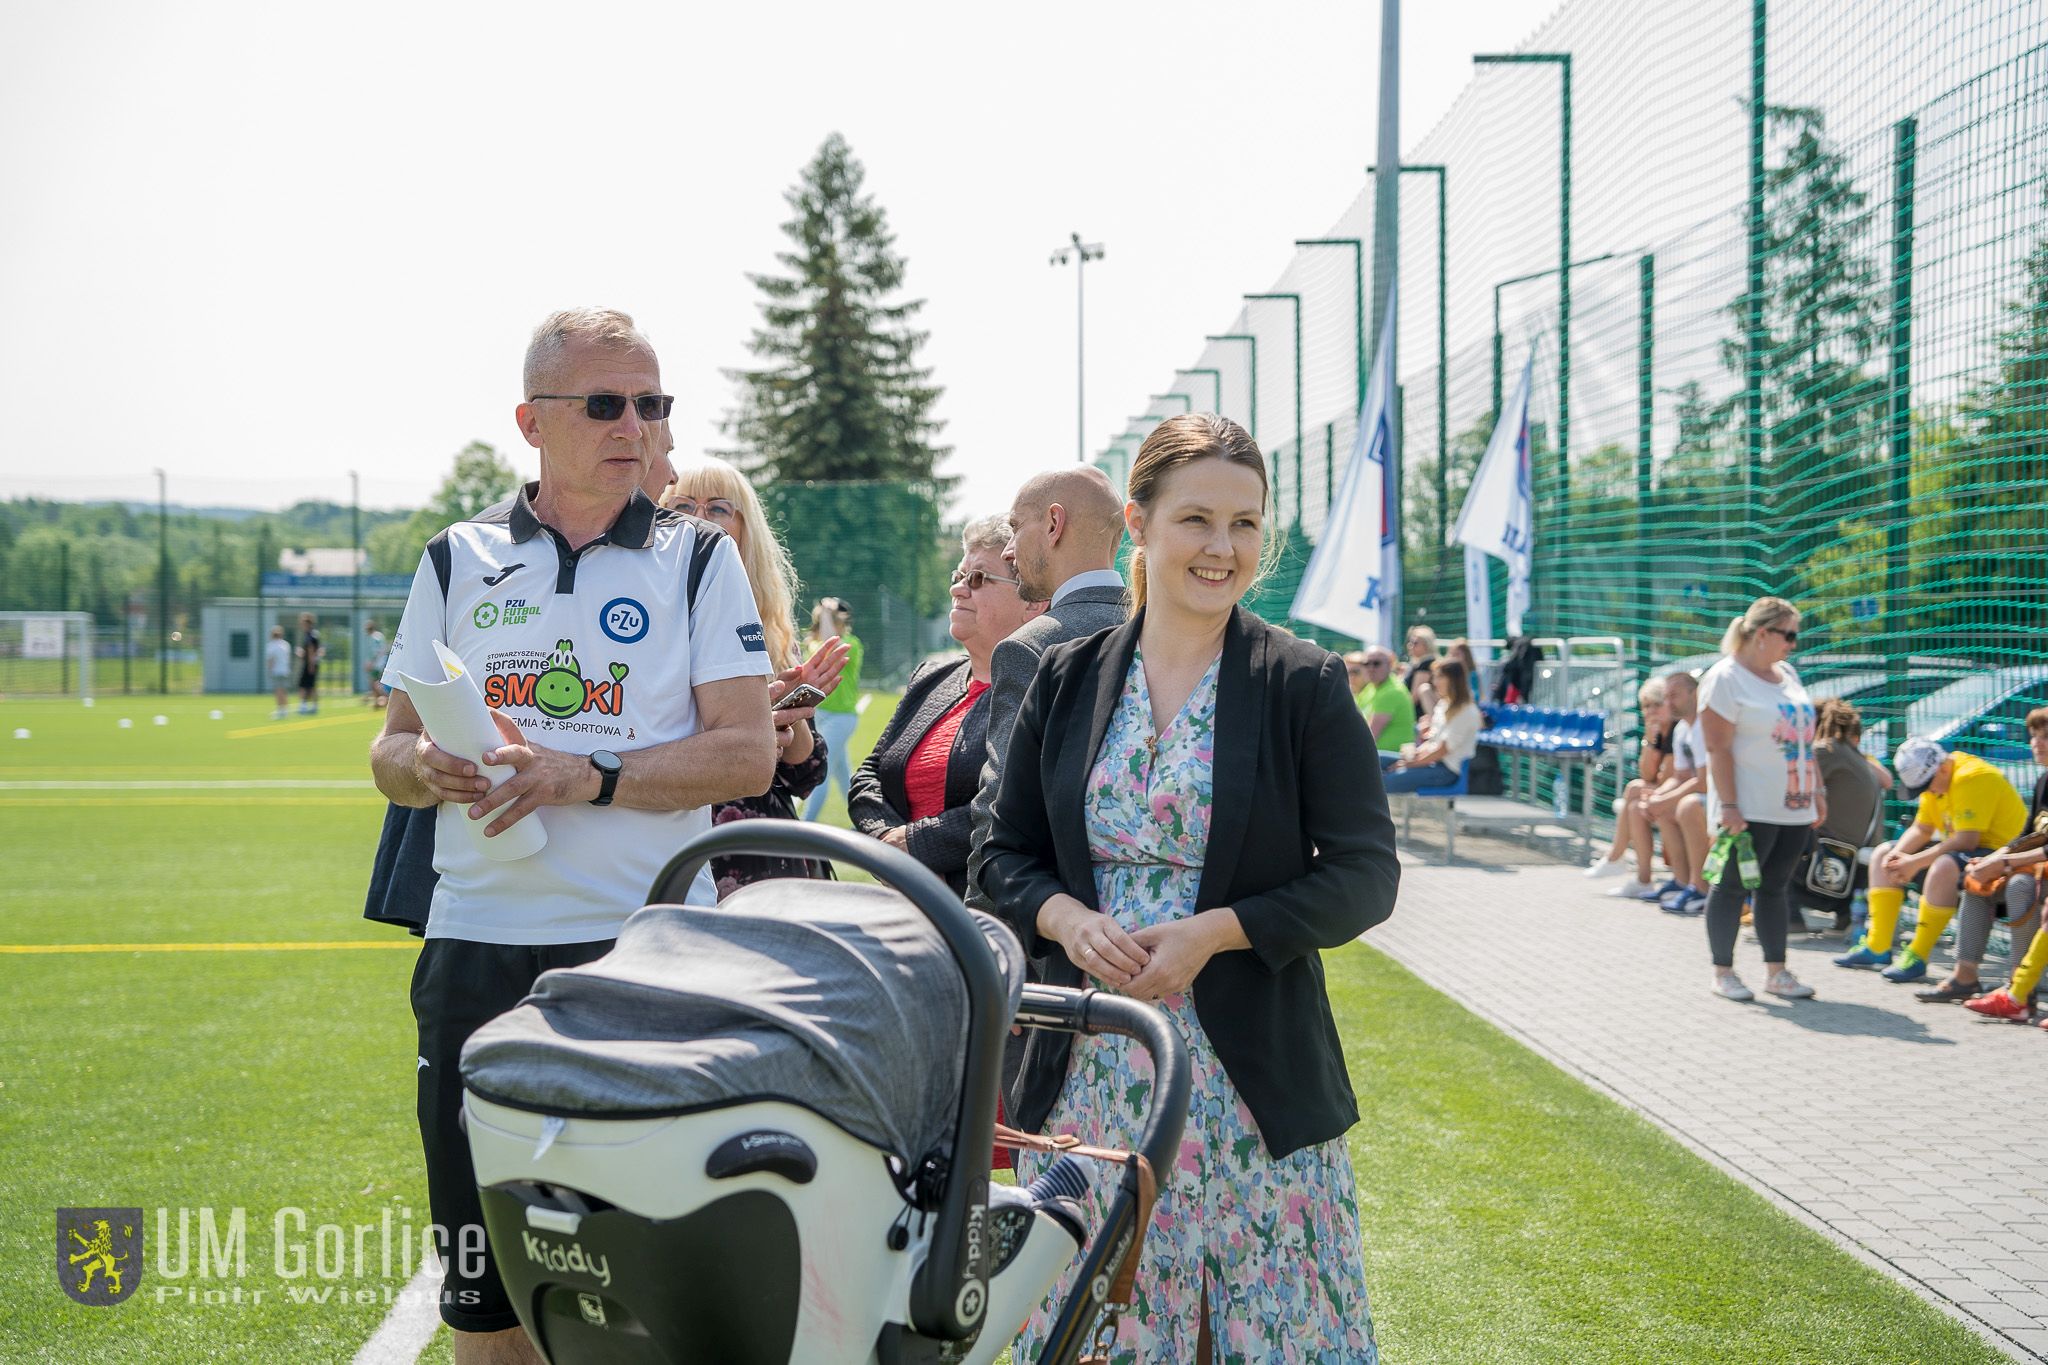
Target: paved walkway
(1804,1101)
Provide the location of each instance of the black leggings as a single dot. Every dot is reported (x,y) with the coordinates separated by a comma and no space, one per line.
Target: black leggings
(1778,850)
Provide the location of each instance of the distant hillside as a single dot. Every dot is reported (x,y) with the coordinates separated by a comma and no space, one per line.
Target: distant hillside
(93,556)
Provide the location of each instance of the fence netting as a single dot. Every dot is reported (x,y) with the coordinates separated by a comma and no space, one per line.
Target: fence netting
(1808,353)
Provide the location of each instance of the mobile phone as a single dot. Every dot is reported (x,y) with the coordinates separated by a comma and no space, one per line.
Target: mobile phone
(803,694)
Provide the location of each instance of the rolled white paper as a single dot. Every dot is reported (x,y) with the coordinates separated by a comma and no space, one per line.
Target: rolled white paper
(454,715)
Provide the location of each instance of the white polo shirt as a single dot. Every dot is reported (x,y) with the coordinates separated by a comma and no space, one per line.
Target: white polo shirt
(582,649)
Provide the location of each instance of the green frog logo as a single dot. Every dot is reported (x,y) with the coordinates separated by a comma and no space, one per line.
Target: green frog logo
(558,691)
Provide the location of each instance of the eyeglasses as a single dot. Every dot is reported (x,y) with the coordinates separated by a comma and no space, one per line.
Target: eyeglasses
(610,407)
(1790,637)
(978,577)
(717,509)
(1374,663)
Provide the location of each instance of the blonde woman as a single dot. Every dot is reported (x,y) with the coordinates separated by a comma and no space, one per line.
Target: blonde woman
(1763,778)
(1633,829)
(713,490)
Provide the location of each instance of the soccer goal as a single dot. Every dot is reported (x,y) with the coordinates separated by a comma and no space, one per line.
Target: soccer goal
(45,654)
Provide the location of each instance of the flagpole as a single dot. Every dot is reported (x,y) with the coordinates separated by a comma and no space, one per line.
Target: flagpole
(1386,232)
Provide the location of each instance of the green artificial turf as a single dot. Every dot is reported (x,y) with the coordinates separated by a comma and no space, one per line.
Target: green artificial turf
(1510,1213)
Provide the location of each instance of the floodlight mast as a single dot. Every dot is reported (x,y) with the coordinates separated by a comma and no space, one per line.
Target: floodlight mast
(1080,253)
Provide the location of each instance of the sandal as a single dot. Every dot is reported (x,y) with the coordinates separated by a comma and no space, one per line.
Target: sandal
(1950,992)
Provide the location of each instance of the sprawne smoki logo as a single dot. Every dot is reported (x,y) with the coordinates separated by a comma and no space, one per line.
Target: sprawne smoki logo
(99,1254)
(554,684)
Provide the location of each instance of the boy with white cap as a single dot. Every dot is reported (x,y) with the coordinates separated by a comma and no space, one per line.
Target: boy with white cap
(1965,804)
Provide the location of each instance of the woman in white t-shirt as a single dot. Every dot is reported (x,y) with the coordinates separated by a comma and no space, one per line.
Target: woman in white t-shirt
(1762,777)
(1453,736)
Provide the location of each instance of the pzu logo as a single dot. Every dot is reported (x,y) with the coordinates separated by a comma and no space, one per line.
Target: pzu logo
(624,620)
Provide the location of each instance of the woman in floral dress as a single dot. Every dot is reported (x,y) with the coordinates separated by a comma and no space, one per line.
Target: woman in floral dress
(1190,812)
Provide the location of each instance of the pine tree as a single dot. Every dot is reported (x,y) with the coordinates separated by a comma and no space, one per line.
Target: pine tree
(1823,407)
(839,394)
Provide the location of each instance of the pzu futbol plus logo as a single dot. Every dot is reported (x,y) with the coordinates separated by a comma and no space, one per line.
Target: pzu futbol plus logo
(99,1254)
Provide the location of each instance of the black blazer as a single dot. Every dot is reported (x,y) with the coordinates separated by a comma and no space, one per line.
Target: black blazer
(877,801)
(1300,845)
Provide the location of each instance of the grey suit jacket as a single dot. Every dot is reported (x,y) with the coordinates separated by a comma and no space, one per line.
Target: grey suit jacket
(1079,614)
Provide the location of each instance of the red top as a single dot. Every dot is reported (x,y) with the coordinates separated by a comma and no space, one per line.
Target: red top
(924,777)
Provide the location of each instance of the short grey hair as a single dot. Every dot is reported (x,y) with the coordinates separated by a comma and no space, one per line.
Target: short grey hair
(601,326)
(986,533)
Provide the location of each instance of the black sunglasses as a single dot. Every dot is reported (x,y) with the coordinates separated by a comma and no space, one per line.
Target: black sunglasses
(610,407)
(1790,637)
(978,577)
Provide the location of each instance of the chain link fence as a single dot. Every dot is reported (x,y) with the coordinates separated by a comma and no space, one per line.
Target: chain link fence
(1807,350)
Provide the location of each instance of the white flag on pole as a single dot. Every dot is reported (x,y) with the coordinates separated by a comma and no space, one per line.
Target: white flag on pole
(1478,603)
(1498,516)
(1354,575)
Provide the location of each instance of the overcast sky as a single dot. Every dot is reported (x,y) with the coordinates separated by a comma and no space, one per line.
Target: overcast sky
(262,245)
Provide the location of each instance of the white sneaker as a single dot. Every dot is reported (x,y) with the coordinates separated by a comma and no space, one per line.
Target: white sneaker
(1631,889)
(1729,986)
(278,714)
(1607,867)
(1785,984)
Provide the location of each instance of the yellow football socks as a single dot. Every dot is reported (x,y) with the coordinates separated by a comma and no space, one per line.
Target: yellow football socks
(2027,975)
(1885,904)
(1933,919)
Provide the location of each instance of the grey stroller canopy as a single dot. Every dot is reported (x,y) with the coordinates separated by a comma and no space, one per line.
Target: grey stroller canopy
(838,997)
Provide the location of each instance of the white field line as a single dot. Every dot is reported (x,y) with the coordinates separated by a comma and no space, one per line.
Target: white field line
(413,1320)
(173,785)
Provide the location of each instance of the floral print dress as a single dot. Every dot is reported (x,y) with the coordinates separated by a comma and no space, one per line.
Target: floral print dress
(1275,1242)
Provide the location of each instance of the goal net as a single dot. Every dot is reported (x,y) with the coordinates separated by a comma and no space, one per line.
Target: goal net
(45,654)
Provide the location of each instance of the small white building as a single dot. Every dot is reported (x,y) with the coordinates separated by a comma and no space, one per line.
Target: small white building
(324,562)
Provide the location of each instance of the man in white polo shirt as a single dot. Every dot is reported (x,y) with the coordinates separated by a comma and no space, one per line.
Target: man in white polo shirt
(622,652)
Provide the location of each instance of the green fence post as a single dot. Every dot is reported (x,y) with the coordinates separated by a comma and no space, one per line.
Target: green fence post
(1329,466)
(1646,401)
(1252,371)
(1358,302)
(1563,61)
(1294,299)
(1900,416)
(1215,377)
(1753,307)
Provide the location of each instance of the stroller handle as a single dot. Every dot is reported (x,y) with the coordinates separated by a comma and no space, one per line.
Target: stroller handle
(1056,1007)
(950,1290)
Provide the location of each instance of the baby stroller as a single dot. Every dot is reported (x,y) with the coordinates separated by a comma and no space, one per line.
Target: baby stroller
(746,1135)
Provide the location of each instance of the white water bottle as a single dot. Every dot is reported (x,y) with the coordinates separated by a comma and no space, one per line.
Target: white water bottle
(1559,789)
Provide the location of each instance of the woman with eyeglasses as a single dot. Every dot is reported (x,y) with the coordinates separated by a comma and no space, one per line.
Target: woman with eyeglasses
(1763,780)
(718,493)
(915,790)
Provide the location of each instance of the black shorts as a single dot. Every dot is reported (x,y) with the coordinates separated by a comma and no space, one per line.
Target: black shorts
(309,678)
(1961,857)
(458,986)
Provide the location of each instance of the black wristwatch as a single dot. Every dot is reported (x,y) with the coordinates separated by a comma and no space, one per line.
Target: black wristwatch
(608,769)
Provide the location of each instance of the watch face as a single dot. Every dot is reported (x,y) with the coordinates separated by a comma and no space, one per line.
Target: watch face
(605,761)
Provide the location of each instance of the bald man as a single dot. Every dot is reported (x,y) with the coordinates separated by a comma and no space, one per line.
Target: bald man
(1065,526)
